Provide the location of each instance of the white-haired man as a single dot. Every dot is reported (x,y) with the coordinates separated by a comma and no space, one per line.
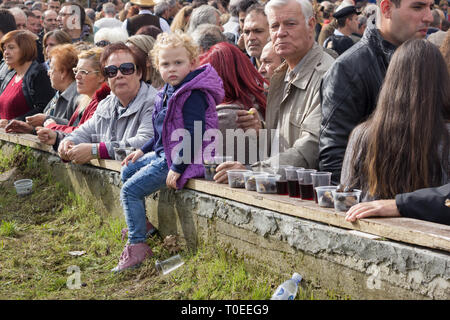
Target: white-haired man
(293,104)
(20,17)
(109,20)
(166,9)
(204,14)
(350,88)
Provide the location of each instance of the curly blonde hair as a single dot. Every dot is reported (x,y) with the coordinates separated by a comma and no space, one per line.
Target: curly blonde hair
(174,40)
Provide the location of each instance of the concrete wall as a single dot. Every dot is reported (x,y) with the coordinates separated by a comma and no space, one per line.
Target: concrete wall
(329,258)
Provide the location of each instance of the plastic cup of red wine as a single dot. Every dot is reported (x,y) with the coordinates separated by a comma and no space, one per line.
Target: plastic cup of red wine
(305,184)
(292,181)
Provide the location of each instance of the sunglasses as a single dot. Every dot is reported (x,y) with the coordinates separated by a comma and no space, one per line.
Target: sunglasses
(102,43)
(125,68)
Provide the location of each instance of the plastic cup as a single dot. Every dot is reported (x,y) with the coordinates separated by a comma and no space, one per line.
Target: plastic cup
(325,196)
(210,171)
(292,181)
(250,180)
(210,165)
(305,184)
(169,265)
(24,187)
(319,179)
(121,153)
(343,201)
(236,178)
(266,183)
(282,184)
(281,170)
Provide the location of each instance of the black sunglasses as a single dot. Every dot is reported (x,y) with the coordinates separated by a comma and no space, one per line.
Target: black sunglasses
(102,43)
(126,69)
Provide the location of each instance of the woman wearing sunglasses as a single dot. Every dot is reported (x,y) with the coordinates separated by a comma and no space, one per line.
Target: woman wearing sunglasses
(90,84)
(124,118)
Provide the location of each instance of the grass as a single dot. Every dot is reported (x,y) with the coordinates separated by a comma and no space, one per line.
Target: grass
(38,231)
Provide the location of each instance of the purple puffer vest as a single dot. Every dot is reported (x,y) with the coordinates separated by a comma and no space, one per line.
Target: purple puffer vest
(211,85)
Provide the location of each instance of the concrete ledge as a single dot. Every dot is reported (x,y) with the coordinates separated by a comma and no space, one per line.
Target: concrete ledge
(288,235)
(329,257)
(422,233)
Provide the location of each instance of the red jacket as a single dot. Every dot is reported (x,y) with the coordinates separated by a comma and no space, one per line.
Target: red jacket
(99,95)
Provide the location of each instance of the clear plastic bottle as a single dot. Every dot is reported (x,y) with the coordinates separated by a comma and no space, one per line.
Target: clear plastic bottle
(288,289)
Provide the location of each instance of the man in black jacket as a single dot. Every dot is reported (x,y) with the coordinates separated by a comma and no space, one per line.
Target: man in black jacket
(350,88)
(429,204)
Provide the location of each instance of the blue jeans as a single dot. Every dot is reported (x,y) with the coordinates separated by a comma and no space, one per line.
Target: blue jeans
(140,179)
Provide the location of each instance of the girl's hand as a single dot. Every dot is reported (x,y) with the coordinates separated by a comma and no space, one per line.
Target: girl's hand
(133,157)
(377,208)
(172,178)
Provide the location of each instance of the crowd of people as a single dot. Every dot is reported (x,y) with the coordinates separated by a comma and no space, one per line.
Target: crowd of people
(356,88)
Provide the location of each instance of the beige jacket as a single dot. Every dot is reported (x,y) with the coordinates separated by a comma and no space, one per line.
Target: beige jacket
(297,114)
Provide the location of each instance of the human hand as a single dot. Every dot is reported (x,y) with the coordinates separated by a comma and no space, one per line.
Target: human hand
(172,178)
(49,121)
(81,153)
(221,170)
(3,123)
(36,120)
(45,135)
(63,148)
(133,157)
(377,208)
(248,120)
(17,126)
(241,42)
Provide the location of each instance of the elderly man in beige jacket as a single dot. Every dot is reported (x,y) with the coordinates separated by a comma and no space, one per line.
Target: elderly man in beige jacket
(293,103)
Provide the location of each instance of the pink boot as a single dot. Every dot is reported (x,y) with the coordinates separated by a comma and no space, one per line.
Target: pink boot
(132,256)
(151,231)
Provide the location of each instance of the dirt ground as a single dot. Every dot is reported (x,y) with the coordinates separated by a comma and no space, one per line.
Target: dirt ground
(53,245)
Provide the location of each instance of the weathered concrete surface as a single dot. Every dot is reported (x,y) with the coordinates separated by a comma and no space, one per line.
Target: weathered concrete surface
(329,258)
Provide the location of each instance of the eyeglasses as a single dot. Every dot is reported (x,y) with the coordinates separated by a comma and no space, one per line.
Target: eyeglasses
(82,72)
(125,68)
(102,43)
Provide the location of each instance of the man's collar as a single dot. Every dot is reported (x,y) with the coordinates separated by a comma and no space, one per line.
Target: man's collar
(338,33)
(69,90)
(301,73)
(145,11)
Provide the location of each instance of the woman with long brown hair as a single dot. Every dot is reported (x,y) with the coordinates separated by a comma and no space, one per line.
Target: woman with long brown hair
(404,145)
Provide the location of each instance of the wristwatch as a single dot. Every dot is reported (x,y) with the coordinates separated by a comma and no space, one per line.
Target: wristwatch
(94,150)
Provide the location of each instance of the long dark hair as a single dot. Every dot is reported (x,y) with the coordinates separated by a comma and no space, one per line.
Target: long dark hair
(406,142)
